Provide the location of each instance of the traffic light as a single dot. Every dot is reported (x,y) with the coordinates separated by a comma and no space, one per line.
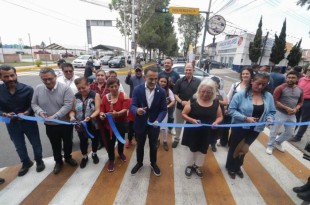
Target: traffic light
(161,9)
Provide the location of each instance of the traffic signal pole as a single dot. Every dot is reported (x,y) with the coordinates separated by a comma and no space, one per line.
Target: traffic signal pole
(204,33)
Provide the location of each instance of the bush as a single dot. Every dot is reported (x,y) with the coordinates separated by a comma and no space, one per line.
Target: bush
(38,63)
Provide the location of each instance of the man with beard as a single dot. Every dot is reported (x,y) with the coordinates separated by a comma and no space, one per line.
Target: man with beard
(288,99)
(172,77)
(16,99)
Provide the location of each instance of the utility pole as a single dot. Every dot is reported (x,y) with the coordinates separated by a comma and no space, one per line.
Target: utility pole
(204,34)
(133,41)
(264,45)
(31,48)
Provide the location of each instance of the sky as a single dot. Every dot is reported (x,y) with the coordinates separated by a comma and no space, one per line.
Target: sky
(64,21)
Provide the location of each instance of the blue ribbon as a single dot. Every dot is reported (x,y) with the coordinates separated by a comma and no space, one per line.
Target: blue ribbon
(6,120)
(114,129)
(229,125)
(86,129)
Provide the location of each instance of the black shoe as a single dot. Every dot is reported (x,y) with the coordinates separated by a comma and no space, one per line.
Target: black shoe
(188,172)
(213,148)
(294,139)
(40,166)
(83,162)
(25,168)
(95,158)
(304,196)
(136,168)
(303,188)
(155,169)
(198,171)
(2,180)
(232,174)
(57,168)
(71,162)
(175,144)
(240,174)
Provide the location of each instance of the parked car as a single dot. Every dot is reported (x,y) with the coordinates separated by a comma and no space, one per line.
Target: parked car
(105,60)
(65,55)
(198,73)
(81,61)
(215,64)
(117,62)
(179,60)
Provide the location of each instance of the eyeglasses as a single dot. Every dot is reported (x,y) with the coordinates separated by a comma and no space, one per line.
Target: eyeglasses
(47,79)
(152,79)
(68,71)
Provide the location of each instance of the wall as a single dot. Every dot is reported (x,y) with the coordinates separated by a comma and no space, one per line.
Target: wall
(11,58)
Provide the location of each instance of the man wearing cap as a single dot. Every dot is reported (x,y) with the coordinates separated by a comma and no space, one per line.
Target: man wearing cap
(68,76)
(134,81)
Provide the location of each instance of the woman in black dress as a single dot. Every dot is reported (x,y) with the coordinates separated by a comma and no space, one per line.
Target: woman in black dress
(202,108)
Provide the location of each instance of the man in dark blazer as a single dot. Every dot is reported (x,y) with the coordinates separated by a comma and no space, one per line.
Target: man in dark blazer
(148,105)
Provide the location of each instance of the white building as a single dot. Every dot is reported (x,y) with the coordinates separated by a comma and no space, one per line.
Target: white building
(234,52)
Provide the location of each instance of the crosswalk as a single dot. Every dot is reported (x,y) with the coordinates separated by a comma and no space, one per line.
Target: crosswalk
(268,179)
(78,72)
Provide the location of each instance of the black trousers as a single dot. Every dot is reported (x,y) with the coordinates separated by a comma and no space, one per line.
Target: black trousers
(237,135)
(58,134)
(111,139)
(84,141)
(131,132)
(152,133)
(224,138)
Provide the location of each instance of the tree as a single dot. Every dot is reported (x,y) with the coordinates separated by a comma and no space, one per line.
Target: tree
(255,48)
(189,27)
(279,46)
(295,55)
(303,2)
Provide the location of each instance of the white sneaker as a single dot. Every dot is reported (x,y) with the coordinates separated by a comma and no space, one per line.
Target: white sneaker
(269,150)
(279,147)
(172,131)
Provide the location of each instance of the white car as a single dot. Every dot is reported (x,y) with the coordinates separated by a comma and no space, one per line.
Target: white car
(198,73)
(81,61)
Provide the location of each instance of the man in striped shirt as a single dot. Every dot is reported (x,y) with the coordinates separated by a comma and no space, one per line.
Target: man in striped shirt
(54,100)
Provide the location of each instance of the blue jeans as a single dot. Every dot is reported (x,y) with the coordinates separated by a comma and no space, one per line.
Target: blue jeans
(288,130)
(17,130)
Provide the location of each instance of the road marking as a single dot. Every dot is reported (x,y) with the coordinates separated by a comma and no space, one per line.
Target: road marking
(234,79)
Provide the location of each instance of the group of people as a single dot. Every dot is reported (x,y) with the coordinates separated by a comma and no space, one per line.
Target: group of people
(258,97)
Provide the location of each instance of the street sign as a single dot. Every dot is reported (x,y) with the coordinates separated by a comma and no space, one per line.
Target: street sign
(184,10)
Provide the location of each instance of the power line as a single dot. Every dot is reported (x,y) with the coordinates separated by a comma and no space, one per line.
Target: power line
(225,6)
(241,7)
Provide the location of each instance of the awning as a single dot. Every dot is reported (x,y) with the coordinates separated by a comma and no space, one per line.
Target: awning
(55,46)
(106,47)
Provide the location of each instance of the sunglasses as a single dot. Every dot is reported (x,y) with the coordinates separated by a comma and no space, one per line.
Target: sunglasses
(47,79)
(68,71)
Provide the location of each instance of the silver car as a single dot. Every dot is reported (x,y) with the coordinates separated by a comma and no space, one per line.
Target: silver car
(198,73)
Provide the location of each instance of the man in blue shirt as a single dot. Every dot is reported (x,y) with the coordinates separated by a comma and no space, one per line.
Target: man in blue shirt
(16,99)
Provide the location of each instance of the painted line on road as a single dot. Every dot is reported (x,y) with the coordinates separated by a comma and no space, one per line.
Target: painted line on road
(235,79)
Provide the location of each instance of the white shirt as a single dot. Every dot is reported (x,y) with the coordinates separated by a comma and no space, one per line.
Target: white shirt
(149,95)
(70,83)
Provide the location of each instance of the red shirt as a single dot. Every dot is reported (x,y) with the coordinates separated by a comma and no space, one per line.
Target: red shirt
(101,91)
(119,105)
(304,84)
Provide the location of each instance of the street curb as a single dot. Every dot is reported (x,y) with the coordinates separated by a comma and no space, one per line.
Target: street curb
(23,69)
(124,72)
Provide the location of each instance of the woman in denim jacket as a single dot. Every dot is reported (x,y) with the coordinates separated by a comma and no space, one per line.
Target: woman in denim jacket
(252,105)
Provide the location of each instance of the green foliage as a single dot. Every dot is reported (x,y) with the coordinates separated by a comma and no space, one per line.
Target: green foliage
(303,2)
(255,49)
(190,27)
(294,55)
(38,63)
(279,47)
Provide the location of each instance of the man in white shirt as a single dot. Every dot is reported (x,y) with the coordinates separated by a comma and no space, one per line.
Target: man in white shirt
(68,76)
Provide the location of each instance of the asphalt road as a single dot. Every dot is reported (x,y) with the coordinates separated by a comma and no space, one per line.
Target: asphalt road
(8,155)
